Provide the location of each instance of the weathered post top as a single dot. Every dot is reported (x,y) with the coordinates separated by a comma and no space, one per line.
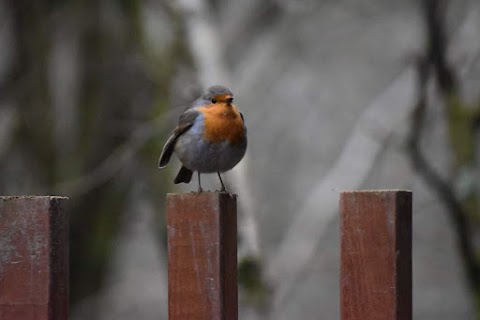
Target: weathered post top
(33,258)
(376,255)
(202,256)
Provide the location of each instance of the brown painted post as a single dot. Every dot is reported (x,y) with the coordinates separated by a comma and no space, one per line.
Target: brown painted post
(33,258)
(376,255)
(202,256)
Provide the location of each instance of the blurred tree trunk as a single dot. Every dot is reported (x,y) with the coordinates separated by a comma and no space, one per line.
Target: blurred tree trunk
(29,78)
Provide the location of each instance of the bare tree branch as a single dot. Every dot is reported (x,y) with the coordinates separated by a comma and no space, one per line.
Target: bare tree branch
(442,188)
(436,63)
(434,12)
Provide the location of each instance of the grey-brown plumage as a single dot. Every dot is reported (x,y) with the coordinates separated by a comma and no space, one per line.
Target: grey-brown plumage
(184,123)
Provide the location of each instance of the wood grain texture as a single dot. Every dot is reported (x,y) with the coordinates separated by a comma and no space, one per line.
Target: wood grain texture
(202,256)
(33,258)
(376,255)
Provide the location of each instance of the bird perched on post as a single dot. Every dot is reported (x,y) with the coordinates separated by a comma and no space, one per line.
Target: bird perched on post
(210,137)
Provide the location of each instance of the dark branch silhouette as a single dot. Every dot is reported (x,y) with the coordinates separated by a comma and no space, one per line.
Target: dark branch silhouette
(435,64)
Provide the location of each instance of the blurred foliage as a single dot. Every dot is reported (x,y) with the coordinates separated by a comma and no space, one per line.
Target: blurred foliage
(252,281)
(462,120)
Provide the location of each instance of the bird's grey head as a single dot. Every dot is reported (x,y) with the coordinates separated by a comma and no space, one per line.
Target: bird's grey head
(217,91)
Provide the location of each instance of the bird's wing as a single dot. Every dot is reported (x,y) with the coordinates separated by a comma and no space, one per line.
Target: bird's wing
(185,122)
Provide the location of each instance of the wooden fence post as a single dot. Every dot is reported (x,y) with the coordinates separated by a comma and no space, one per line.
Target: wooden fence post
(202,256)
(33,258)
(376,255)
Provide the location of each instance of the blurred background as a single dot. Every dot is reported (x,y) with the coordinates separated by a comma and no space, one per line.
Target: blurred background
(336,95)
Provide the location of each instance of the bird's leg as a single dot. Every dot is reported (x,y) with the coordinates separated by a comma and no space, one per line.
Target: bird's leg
(221,181)
(199,183)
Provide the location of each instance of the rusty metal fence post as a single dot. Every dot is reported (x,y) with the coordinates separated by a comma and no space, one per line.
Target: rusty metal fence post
(376,255)
(202,256)
(33,258)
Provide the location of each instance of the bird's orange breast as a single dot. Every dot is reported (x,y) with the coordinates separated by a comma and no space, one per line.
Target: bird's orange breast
(222,122)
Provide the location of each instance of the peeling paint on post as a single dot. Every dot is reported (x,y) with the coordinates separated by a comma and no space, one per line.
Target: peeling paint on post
(202,256)
(33,258)
(376,255)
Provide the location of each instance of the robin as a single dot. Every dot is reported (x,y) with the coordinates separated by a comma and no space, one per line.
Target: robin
(210,137)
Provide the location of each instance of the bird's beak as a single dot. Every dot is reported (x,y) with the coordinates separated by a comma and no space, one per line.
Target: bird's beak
(229,100)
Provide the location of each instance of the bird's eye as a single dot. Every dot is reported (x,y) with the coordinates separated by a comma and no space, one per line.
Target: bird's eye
(214,100)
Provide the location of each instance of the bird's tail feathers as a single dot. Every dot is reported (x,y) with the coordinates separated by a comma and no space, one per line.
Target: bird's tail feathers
(184,175)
